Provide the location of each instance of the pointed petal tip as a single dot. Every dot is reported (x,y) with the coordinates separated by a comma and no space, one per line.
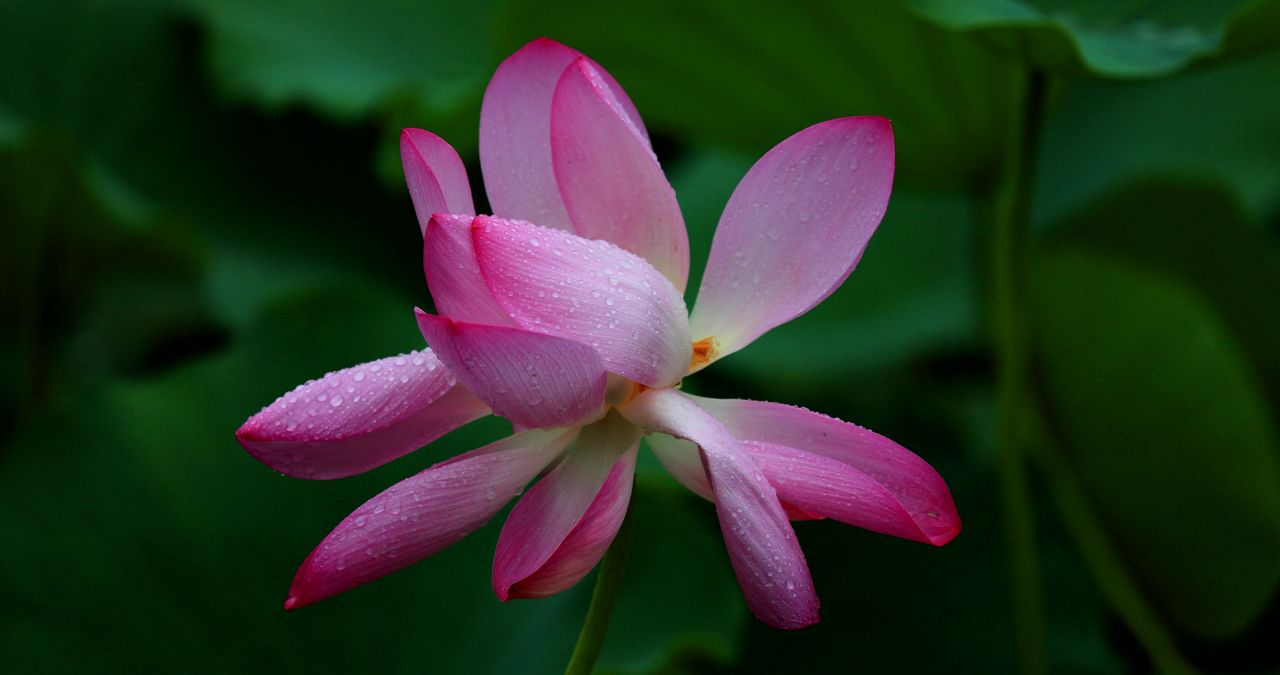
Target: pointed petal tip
(291,603)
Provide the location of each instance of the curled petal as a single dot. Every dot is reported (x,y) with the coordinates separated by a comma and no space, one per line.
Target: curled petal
(355,419)
(609,178)
(423,514)
(920,491)
(794,229)
(562,526)
(449,262)
(762,546)
(435,174)
(556,283)
(515,132)
(681,459)
(532,379)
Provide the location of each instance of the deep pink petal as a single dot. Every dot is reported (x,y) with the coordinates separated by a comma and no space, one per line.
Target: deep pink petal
(435,174)
(681,459)
(534,380)
(515,132)
(353,420)
(910,480)
(762,546)
(560,284)
(423,514)
(449,262)
(609,178)
(794,229)
(562,526)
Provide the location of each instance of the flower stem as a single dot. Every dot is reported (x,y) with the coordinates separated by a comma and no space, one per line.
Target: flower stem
(609,581)
(1012,342)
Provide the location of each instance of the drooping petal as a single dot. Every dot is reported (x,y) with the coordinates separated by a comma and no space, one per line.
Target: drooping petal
(515,132)
(562,526)
(910,480)
(449,262)
(794,229)
(762,546)
(560,284)
(435,174)
(532,379)
(609,178)
(355,419)
(423,514)
(681,459)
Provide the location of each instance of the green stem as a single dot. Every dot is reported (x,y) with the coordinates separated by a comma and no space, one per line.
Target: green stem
(1009,260)
(609,581)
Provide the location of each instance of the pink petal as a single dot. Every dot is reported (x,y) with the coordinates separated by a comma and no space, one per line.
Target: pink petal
(609,178)
(762,546)
(794,229)
(908,479)
(562,526)
(422,515)
(559,284)
(449,262)
(681,459)
(515,133)
(532,379)
(435,174)
(353,420)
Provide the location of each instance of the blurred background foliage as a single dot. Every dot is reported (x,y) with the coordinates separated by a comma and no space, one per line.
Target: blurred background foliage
(202,206)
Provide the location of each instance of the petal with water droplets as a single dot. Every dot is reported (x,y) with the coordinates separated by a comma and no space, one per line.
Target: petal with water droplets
(515,132)
(794,229)
(453,276)
(355,419)
(423,514)
(436,177)
(911,482)
(608,177)
(681,459)
(762,546)
(562,526)
(556,283)
(532,379)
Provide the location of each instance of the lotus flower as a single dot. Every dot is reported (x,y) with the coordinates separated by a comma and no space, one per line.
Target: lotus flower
(563,313)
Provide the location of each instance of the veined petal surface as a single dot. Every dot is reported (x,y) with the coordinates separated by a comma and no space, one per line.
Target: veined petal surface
(453,276)
(435,174)
(358,418)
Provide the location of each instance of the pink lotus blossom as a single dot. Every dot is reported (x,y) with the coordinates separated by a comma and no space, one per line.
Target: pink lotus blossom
(575,330)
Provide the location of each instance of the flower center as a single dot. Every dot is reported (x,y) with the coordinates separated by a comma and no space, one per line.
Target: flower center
(704,351)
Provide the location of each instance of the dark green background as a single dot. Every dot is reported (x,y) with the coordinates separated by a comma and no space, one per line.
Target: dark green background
(201,206)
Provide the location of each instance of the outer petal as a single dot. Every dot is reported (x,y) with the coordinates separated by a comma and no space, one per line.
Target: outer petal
(515,132)
(353,420)
(559,284)
(435,174)
(422,515)
(762,546)
(910,480)
(681,459)
(794,229)
(562,526)
(532,379)
(609,178)
(449,261)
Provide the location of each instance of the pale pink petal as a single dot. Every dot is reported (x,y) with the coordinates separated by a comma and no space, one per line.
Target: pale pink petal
(762,546)
(515,132)
(556,283)
(609,178)
(681,459)
(534,380)
(353,420)
(910,480)
(562,526)
(794,229)
(423,514)
(435,174)
(449,262)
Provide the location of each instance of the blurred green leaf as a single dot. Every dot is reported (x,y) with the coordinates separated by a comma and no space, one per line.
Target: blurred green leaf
(150,541)
(1168,428)
(1111,39)
(749,74)
(1106,134)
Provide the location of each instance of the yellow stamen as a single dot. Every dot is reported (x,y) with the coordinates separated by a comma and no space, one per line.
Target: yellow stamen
(704,351)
